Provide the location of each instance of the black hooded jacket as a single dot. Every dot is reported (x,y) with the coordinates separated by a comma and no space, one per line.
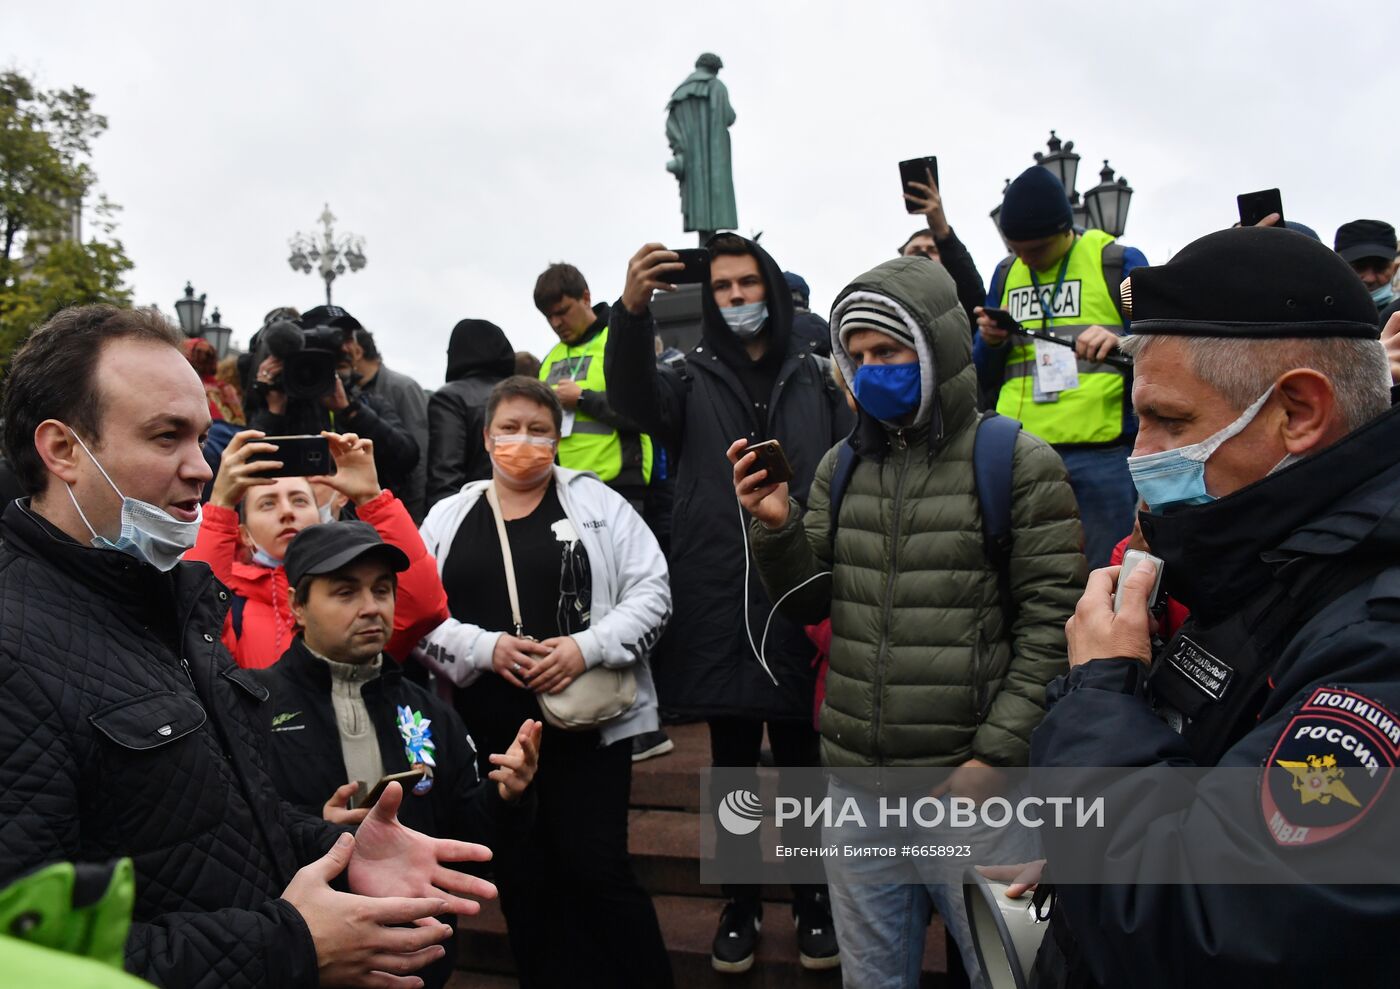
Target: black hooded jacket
(1294,586)
(708,666)
(128,731)
(478,356)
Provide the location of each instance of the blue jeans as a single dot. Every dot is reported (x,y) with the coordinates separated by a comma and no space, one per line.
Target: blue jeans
(1107,499)
(881,924)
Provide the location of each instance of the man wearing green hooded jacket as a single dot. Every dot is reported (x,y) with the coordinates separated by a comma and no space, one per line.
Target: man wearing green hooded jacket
(927,667)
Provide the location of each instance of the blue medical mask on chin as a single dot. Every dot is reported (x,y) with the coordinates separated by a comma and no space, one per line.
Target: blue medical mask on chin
(747,321)
(1383,295)
(148,533)
(265,559)
(889,392)
(1178,477)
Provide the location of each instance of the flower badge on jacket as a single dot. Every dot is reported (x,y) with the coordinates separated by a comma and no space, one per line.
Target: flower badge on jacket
(418,746)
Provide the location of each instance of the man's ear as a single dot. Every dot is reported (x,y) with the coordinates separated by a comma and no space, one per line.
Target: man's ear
(588,298)
(56,447)
(295,608)
(1312,420)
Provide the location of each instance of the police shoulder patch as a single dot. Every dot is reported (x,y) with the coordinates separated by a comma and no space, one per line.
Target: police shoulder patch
(1329,767)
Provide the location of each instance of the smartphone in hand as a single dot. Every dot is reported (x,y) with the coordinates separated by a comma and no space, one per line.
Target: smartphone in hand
(407,779)
(1002,319)
(770,457)
(301,456)
(1254,206)
(697,267)
(917,170)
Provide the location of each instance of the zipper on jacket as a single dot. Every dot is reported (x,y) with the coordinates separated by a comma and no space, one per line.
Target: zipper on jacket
(901,444)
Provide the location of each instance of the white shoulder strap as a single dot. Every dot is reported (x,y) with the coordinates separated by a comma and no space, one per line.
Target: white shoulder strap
(495,504)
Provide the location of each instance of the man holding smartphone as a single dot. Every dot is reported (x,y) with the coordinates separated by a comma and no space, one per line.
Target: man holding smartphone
(1066,282)
(749,375)
(341,711)
(939,243)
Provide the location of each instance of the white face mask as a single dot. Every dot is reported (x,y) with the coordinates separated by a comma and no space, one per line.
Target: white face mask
(148,533)
(746,321)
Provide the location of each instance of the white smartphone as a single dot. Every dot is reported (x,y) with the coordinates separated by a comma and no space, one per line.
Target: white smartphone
(1130,560)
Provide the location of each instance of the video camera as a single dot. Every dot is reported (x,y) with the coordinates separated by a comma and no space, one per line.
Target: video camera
(310,350)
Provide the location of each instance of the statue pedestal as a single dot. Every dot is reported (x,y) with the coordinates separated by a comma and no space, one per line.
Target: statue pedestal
(678,316)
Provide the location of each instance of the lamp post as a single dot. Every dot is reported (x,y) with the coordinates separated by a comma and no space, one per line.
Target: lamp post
(190,311)
(330,256)
(1104,207)
(218,334)
(1107,202)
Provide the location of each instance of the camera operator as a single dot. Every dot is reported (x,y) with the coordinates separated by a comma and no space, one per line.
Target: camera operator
(307,386)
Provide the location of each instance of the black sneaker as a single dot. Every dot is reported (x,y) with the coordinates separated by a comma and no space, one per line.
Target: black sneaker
(650,744)
(732,952)
(816,934)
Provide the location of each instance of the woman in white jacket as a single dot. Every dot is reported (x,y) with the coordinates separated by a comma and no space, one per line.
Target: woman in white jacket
(593,591)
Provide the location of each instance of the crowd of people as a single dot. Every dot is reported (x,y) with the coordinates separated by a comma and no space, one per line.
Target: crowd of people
(327,696)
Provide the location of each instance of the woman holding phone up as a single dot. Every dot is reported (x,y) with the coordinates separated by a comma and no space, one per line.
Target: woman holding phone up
(251,518)
(585,591)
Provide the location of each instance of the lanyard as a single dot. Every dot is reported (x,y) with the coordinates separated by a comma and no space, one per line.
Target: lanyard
(1047,312)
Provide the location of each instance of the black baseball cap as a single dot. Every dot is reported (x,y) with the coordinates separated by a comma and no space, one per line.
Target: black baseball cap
(329,316)
(325,548)
(1365,239)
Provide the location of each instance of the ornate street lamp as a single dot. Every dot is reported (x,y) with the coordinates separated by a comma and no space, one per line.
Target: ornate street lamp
(995,214)
(1062,162)
(330,256)
(1108,201)
(217,334)
(190,311)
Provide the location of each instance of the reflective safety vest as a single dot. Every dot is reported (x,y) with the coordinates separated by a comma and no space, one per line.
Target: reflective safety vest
(617,458)
(1094,411)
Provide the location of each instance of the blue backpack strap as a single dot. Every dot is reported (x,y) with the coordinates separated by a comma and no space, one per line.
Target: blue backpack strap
(998,282)
(846,460)
(992,454)
(236,611)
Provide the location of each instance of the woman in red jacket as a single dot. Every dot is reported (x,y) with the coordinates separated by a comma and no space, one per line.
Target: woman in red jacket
(250,519)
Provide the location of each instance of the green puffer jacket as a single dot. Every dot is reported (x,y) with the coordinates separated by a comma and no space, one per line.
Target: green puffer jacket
(924,668)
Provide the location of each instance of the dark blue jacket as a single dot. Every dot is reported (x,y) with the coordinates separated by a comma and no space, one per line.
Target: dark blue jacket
(1319,543)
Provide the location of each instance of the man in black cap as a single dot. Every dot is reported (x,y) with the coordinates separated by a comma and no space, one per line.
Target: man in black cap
(342,407)
(1269,457)
(1369,247)
(1065,282)
(342,717)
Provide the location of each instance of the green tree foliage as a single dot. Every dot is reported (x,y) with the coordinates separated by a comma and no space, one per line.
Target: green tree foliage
(45,176)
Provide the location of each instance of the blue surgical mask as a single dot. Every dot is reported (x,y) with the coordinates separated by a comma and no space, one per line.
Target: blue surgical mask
(265,559)
(889,392)
(746,322)
(148,533)
(1383,295)
(1178,477)
(326,512)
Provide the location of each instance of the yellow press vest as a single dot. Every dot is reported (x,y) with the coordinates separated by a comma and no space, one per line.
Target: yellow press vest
(615,457)
(1092,412)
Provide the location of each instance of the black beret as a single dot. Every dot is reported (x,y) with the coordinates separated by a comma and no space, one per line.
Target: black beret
(1255,282)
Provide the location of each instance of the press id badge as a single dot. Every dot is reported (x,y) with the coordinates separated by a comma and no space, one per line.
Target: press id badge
(566,425)
(1056,370)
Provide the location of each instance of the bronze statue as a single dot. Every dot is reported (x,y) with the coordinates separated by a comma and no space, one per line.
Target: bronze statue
(697,127)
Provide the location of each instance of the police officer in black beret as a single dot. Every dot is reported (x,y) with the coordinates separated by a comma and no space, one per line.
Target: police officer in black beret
(1269,461)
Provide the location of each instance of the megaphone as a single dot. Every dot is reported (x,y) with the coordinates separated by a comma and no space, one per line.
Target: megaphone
(1006,933)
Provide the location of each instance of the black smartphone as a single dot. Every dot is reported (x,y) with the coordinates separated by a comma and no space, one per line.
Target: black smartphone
(770,457)
(1254,206)
(301,456)
(917,170)
(407,779)
(697,267)
(1003,319)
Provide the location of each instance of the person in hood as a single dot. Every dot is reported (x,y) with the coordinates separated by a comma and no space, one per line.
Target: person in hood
(910,580)
(409,402)
(251,519)
(478,356)
(594,436)
(747,377)
(1269,458)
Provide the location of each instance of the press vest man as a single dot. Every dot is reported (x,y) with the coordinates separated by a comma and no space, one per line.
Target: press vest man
(594,437)
(1065,282)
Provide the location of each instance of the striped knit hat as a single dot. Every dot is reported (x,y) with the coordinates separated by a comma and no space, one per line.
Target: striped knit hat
(872,314)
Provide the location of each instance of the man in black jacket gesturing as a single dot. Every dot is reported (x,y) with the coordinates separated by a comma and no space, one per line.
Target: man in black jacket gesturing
(127,729)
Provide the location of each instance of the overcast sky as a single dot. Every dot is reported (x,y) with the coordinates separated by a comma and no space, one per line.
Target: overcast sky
(472,144)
